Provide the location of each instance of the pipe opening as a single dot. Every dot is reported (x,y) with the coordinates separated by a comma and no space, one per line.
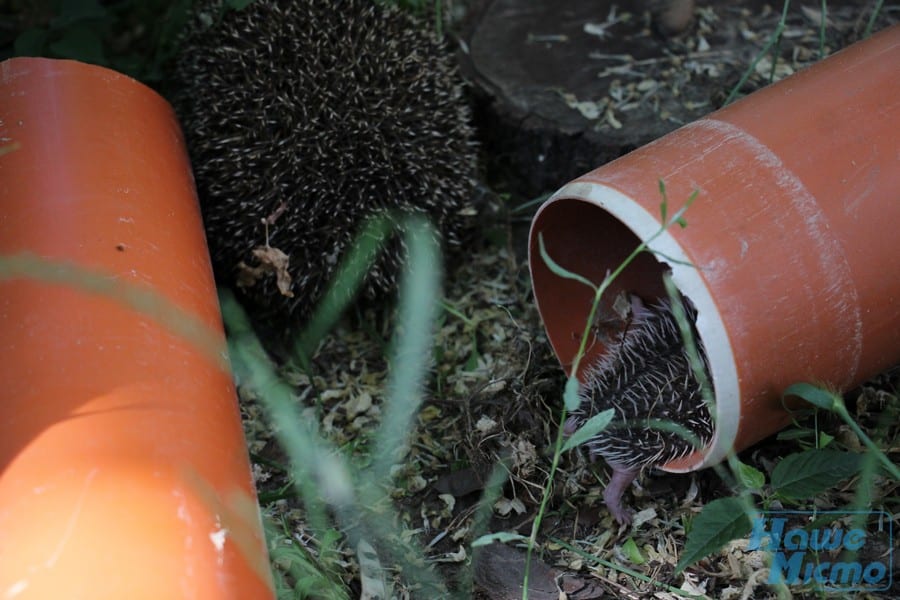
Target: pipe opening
(585,238)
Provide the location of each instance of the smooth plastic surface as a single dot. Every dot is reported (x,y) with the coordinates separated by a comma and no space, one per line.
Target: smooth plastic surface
(124,467)
(793,236)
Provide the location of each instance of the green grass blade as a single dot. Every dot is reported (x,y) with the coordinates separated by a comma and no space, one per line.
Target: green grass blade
(419,304)
(571,397)
(347,281)
(871,24)
(557,269)
(314,464)
(592,427)
(147,301)
(813,394)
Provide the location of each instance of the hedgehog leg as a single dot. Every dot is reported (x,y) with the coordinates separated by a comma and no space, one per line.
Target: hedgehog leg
(612,495)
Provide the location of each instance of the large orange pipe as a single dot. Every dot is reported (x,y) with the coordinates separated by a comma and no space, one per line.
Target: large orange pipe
(790,256)
(124,468)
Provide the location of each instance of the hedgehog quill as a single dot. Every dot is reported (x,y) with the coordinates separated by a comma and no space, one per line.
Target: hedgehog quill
(646,377)
(305,117)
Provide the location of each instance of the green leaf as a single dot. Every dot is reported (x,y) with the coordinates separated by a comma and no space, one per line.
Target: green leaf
(31,42)
(502,537)
(720,522)
(673,427)
(805,474)
(355,265)
(814,395)
(592,427)
(558,270)
(795,434)
(456,313)
(825,439)
(632,552)
(238,4)
(664,204)
(751,477)
(80,43)
(76,11)
(526,205)
(474,355)
(678,217)
(570,396)
(420,285)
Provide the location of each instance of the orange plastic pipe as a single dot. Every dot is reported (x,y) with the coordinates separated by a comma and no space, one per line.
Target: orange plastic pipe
(124,467)
(793,237)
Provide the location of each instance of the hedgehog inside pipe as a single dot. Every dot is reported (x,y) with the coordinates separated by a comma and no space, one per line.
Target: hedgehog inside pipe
(646,377)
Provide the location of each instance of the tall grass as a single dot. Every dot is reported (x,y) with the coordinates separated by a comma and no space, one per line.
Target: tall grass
(328,482)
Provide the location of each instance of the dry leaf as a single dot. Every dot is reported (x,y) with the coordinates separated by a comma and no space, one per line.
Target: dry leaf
(271,260)
(485,425)
(371,573)
(358,404)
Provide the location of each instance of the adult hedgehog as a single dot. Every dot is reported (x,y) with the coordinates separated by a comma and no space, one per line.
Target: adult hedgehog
(304,117)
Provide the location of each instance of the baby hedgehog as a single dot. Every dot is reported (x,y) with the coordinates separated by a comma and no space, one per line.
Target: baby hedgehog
(646,377)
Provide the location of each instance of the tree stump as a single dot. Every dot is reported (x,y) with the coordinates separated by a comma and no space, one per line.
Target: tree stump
(564,86)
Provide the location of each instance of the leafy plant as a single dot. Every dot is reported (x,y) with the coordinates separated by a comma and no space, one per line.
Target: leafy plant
(797,477)
(833,402)
(298,573)
(135,37)
(721,521)
(772,44)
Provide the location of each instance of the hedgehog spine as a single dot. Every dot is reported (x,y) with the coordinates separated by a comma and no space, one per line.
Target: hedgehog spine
(645,376)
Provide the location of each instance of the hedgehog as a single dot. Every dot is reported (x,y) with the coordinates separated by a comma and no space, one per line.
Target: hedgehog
(644,375)
(304,117)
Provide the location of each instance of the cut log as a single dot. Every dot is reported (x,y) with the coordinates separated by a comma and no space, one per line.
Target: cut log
(564,86)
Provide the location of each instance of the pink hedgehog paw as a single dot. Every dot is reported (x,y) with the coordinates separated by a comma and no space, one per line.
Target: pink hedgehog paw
(612,495)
